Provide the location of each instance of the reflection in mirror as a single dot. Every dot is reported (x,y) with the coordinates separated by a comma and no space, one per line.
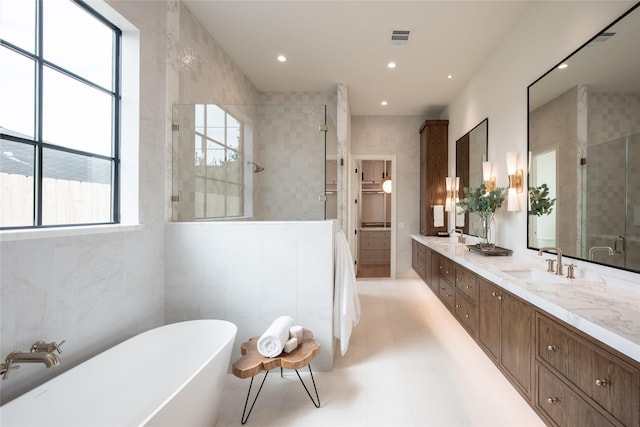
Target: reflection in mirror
(471,151)
(588,115)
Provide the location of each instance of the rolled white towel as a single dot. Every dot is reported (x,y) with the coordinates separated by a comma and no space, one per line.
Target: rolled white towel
(291,345)
(272,341)
(296,332)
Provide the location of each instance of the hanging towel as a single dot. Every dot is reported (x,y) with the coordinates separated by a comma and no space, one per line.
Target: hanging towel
(346,305)
(271,343)
(438,215)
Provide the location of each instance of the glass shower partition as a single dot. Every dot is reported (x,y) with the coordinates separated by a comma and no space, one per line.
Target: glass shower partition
(256,162)
(612,200)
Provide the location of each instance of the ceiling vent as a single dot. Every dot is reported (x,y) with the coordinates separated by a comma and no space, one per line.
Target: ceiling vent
(600,39)
(400,36)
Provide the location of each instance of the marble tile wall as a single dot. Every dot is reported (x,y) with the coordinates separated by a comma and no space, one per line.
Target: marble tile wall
(95,290)
(250,273)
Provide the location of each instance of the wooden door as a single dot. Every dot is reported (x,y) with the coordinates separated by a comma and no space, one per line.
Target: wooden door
(516,344)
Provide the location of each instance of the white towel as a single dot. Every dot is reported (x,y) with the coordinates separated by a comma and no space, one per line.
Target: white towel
(296,332)
(438,215)
(346,305)
(271,343)
(291,345)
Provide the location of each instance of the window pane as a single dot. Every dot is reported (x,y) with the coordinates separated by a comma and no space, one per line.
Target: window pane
(215,123)
(75,115)
(235,200)
(233,136)
(215,199)
(215,161)
(84,48)
(17,83)
(234,167)
(16,184)
(18,23)
(75,189)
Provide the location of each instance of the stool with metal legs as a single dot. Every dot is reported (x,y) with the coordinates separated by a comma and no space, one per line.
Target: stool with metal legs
(252,363)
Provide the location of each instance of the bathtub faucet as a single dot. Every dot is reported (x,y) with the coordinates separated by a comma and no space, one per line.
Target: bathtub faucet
(41,352)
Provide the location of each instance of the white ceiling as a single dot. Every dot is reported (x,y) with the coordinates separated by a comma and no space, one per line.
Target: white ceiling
(329,42)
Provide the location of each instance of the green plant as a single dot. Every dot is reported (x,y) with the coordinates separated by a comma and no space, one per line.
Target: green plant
(541,204)
(480,201)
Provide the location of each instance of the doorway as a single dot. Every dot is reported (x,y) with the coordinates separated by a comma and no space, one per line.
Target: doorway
(372,215)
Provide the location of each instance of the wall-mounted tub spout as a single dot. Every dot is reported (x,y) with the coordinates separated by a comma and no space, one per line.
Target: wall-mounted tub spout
(41,352)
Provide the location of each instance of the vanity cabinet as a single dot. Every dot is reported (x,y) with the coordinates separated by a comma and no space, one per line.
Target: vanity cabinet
(465,300)
(569,378)
(575,375)
(421,261)
(434,154)
(505,332)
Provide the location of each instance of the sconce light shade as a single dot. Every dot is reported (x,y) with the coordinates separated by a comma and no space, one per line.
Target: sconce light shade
(512,162)
(487,177)
(512,200)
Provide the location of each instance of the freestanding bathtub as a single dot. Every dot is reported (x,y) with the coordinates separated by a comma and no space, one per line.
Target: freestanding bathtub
(169,376)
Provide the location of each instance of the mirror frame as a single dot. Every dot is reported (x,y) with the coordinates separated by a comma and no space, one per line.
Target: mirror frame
(462,159)
(576,51)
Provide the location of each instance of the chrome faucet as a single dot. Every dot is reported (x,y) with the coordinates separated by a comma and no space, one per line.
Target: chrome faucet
(559,271)
(599,248)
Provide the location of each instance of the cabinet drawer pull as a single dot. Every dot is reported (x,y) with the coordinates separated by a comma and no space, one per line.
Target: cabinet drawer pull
(467,286)
(467,316)
(552,348)
(494,294)
(552,399)
(448,295)
(601,383)
(457,305)
(500,297)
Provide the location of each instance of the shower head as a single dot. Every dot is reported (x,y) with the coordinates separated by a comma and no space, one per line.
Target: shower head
(256,167)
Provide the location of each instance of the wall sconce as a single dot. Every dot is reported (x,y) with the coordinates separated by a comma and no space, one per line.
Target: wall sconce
(487,177)
(516,184)
(452,185)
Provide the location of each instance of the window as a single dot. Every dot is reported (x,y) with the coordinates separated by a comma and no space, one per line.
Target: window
(59,115)
(219,171)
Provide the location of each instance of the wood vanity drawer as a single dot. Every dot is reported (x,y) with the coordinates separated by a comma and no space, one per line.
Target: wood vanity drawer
(466,312)
(564,406)
(447,271)
(608,380)
(466,283)
(447,294)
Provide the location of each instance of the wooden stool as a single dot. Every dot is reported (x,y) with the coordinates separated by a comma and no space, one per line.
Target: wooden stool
(252,363)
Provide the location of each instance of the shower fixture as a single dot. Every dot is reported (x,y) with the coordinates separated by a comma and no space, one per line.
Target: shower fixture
(256,167)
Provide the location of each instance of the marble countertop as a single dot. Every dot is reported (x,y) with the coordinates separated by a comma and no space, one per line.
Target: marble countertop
(609,312)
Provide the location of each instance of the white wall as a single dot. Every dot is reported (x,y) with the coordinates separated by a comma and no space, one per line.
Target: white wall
(380,135)
(252,272)
(94,290)
(547,33)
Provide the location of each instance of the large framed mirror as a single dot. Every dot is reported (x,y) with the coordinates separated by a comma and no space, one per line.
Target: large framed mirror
(584,145)
(471,151)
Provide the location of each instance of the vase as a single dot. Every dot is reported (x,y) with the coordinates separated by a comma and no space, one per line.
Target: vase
(487,238)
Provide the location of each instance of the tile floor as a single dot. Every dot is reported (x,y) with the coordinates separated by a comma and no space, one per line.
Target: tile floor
(409,364)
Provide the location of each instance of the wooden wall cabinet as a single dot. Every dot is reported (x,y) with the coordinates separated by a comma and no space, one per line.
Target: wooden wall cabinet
(434,154)
(375,246)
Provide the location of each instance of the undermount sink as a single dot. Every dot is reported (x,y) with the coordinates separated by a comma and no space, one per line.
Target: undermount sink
(536,277)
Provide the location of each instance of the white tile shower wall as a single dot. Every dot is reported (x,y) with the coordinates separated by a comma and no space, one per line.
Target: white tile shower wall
(95,290)
(343,148)
(395,135)
(252,272)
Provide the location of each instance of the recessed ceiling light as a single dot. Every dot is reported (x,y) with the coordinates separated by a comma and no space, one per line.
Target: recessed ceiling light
(383,103)
(282,58)
(449,76)
(562,66)
(391,65)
